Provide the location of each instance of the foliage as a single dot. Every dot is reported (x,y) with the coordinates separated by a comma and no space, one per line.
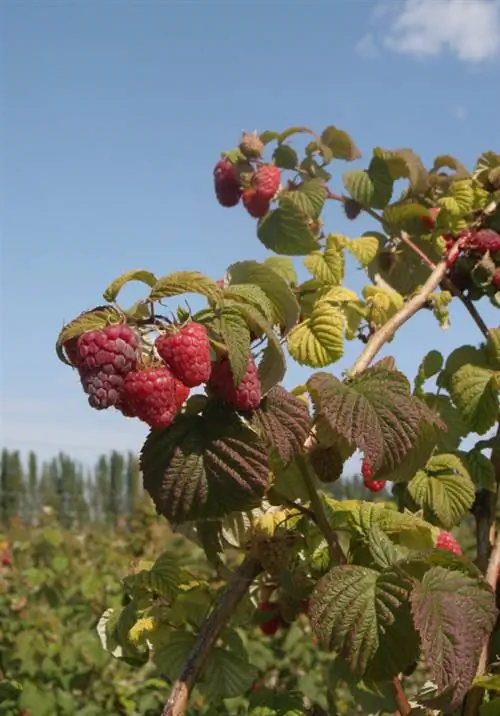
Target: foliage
(241,475)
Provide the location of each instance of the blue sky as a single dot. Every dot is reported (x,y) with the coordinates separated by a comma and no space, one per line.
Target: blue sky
(114,114)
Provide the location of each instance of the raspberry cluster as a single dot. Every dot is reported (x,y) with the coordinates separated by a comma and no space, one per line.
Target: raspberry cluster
(474,261)
(445,540)
(248,179)
(113,372)
(370,483)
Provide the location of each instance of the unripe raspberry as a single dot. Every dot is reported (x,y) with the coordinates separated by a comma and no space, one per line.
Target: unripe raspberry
(446,541)
(251,145)
(327,463)
(266,180)
(274,554)
(226,185)
(186,352)
(113,349)
(351,208)
(256,204)
(150,396)
(246,396)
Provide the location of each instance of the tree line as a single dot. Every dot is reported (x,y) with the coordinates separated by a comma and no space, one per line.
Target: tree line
(108,493)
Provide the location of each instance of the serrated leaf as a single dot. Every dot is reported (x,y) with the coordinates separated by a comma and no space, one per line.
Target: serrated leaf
(455,426)
(174,284)
(236,334)
(454,614)
(428,437)
(327,266)
(284,267)
(294,130)
(446,160)
(92,320)
(274,286)
(382,304)
(340,144)
(314,169)
(383,550)
(162,579)
(480,468)
(364,616)
(309,197)
(226,675)
(285,157)
(284,422)
(374,412)
(286,230)
(172,648)
(475,391)
(269,136)
(255,296)
(319,340)
(372,187)
(443,490)
(493,347)
(338,294)
(405,215)
(429,366)
(115,286)
(359,185)
(364,249)
(204,466)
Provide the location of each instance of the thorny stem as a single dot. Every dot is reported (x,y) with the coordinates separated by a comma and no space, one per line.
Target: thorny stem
(404,707)
(208,635)
(336,554)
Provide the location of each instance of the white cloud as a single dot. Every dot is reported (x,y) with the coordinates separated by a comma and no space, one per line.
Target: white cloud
(468,29)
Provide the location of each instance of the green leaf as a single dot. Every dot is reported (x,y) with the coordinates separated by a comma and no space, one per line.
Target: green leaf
(327,266)
(364,249)
(373,187)
(405,164)
(226,675)
(309,197)
(93,320)
(428,437)
(493,347)
(405,216)
(475,391)
(293,130)
(284,422)
(314,169)
(490,682)
(383,550)
(172,648)
(284,267)
(443,490)
(454,614)
(340,144)
(455,426)
(269,136)
(286,230)
(236,334)
(491,708)
(285,157)
(359,185)
(272,284)
(480,468)
(364,616)
(431,364)
(254,296)
(185,282)
(374,412)
(319,340)
(204,466)
(115,286)
(446,160)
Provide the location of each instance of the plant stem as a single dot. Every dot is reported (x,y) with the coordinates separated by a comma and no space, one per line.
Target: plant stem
(404,707)
(208,635)
(336,554)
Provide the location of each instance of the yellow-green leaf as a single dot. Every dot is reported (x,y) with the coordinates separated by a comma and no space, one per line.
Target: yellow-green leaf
(309,197)
(180,282)
(475,392)
(340,144)
(327,266)
(96,319)
(364,249)
(286,230)
(115,286)
(318,341)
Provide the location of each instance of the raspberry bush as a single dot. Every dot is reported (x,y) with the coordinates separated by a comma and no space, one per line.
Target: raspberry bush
(241,466)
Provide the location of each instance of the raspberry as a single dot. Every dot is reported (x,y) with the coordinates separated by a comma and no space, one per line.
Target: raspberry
(375,485)
(366,470)
(485,240)
(181,394)
(72,352)
(150,396)
(496,279)
(187,353)
(256,204)
(115,349)
(251,145)
(246,396)
(266,180)
(274,554)
(370,483)
(227,188)
(352,209)
(103,386)
(446,541)
(271,625)
(327,463)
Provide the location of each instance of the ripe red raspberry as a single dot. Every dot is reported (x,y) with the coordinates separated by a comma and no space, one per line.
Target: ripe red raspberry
(227,188)
(6,559)
(181,394)
(246,396)
(256,204)
(269,626)
(114,348)
(72,352)
(103,386)
(266,180)
(485,240)
(150,396)
(496,279)
(370,483)
(366,470)
(429,219)
(187,353)
(446,540)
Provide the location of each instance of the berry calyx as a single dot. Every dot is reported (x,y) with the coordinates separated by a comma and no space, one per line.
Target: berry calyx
(187,353)
(266,180)
(113,349)
(269,626)
(446,541)
(246,396)
(149,395)
(226,185)
(251,145)
(256,204)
